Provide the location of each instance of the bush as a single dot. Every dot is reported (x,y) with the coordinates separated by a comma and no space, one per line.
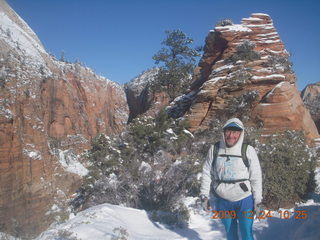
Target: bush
(177,217)
(224,22)
(241,106)
(287,169)
(121,234)
(65,235)
(140,168)
(178,61)
(280,63)
(245,52)
(240,78)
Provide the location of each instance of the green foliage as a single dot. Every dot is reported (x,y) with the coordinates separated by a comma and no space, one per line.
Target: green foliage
(245,52)
(240,106)
(240,77)
(66,235)
(281,63)
(177,59)
(177,217)
(287,168)
(142,167)
(224,22)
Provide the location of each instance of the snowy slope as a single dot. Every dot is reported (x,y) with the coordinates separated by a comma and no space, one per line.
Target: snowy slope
(104,222)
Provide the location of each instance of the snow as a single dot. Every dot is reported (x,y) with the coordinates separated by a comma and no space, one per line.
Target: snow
(145,167)
(272,76)
(269,41)
(252,19)
(100,222)
(5,112)
(31,152)
(188,133)
(267,34)
(233,28)
(228,66)
(170,131)
(213,80)
(70,163)
(15,36)
(260,14)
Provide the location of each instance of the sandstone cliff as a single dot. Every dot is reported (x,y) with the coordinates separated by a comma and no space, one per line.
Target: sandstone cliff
(245,73)
(141,100)
(311,98)
(49,112)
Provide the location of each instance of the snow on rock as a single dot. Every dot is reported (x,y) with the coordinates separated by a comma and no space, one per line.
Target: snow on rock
(233,28)
(269,77)
(17,37)
(35,155)
(188,133)
(145,167)
(69,161)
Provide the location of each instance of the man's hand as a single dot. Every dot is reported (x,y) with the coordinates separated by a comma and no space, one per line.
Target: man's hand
(258,209)
(205,203)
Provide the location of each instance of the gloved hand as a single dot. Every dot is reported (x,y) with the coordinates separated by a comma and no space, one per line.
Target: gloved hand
(205,203)
(258,209)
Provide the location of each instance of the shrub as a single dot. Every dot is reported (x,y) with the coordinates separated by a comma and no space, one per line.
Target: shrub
(245,52)
(178,61)
(121,234)
(146,172)
(281,63)
(240,78)
(287,169)
(224,22)
(65,235)
(177,217)
(240,106)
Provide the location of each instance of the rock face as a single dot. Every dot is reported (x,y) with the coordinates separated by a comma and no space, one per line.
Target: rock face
(245,73)
(311,98)
(141,100)
(49,112)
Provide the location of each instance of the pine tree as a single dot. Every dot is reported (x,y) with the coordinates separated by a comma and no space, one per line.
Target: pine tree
(178,60)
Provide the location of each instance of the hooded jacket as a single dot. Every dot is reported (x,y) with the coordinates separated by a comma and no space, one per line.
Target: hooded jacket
(232,168)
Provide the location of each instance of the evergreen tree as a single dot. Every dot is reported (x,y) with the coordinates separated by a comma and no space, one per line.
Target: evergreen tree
(178,60)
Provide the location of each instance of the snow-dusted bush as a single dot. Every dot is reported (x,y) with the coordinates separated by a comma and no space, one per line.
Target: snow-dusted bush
(288,169)
(239,78)
(224,22)
(120,234)
(245,52)
(241,106)
(64,234)
(178,217)
(280,63)
(142,168)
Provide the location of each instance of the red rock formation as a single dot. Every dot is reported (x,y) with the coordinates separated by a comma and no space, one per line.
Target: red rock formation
(141,100)
(311,98)
(228,84)
(49,112)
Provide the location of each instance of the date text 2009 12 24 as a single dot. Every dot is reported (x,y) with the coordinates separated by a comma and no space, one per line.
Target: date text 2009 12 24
(298,214)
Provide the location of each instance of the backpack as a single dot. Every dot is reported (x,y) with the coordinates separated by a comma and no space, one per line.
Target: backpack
(243,156)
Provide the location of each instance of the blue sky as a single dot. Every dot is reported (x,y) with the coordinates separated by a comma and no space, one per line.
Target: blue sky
(117,38)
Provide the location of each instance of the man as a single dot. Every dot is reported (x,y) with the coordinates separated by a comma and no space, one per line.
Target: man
(233,184)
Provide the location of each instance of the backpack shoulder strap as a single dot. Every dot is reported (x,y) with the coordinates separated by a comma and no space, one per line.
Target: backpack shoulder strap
(215,153)
(244,154)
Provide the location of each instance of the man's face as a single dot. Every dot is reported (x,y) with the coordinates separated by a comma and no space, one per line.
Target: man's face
(231,136)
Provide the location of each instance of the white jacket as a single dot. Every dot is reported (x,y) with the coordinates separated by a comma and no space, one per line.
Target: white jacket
(232,169)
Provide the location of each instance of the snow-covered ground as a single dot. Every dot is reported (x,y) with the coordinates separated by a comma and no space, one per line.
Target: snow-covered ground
(109,221)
